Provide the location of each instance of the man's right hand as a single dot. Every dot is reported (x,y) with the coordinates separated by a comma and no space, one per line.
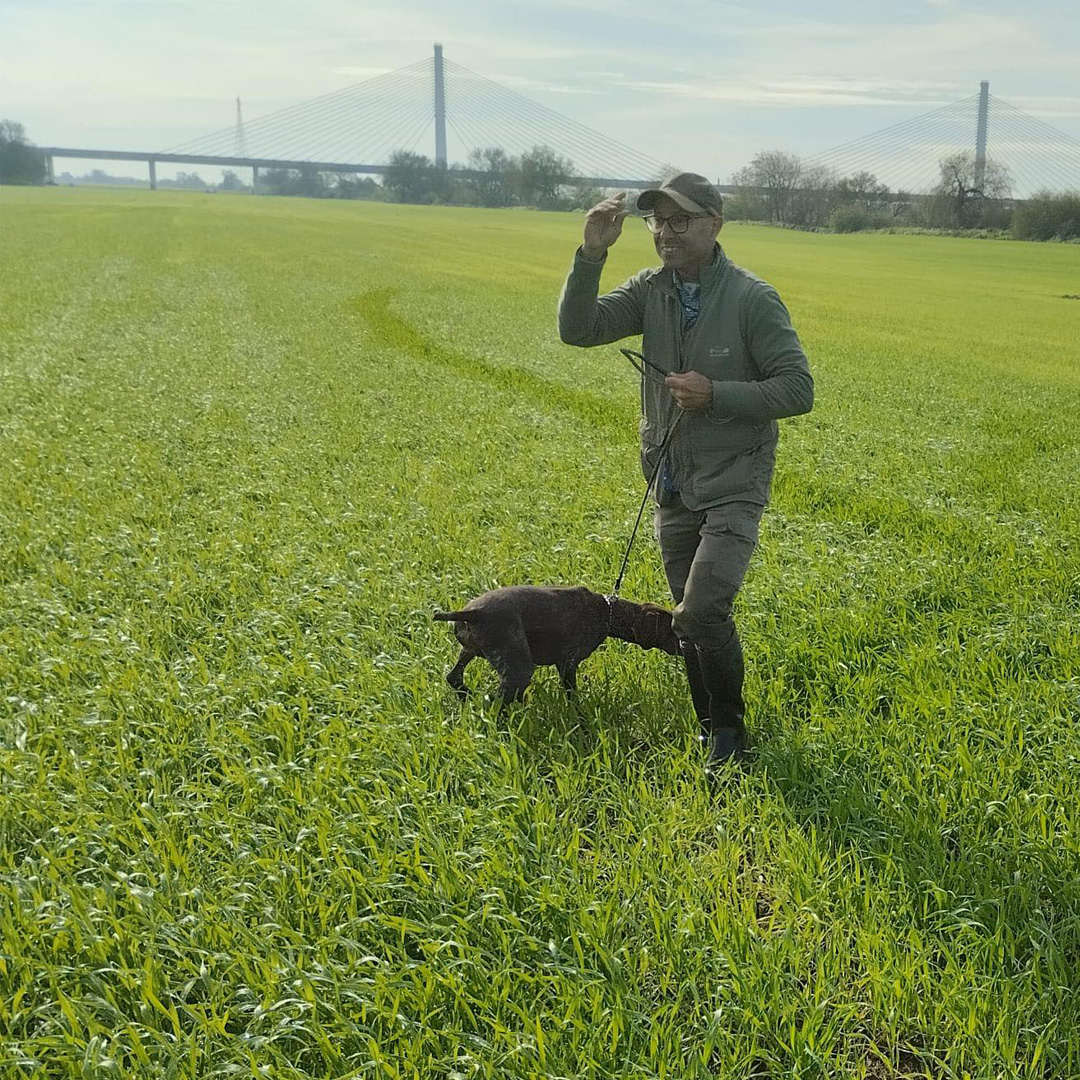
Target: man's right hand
(603,226)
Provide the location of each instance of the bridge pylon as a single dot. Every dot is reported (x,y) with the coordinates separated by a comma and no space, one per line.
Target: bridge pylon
(440,110)
(980,134)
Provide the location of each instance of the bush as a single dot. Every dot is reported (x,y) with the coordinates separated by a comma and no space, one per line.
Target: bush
(747,205)
(1048,216)
(854,217)
(582,196)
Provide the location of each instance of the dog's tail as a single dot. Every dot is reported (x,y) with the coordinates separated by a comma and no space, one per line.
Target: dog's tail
(470,615)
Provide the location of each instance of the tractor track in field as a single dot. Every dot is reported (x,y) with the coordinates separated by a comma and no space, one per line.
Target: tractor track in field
(598,412)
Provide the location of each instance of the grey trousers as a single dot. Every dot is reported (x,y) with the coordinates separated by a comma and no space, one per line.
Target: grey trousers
(706,553)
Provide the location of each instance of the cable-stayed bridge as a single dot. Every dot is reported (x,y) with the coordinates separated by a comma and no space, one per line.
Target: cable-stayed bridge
(427,104)
(355,130)
(1028,154)
(439,103)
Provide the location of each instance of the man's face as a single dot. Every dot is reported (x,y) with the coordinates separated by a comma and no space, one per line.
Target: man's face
(690,250)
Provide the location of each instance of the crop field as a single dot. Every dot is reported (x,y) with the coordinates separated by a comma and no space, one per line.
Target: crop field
(248,446)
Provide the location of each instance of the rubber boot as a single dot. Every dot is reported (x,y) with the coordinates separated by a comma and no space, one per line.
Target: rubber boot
(699,695)
(722,672)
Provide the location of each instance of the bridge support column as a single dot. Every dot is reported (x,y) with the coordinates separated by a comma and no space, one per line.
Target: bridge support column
(254,179)
(153,173)
(50,177)
(440,110)
(980,134)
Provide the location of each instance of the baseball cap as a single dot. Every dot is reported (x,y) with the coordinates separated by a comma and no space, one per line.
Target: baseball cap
(688,190)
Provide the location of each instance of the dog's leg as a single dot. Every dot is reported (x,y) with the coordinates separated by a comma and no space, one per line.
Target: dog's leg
(504,645)
(456,675)
(568,675)
(514,677)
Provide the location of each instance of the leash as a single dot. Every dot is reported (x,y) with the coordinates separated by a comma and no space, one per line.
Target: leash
(638,360)
(640,363)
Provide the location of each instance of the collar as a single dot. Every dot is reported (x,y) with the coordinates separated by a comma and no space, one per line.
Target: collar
(610,598)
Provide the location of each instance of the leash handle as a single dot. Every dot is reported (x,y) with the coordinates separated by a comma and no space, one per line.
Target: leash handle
(640,363)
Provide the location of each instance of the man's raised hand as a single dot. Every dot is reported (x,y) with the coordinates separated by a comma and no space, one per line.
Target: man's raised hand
(603,226)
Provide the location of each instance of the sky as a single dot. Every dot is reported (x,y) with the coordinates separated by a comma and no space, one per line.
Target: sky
(702,84)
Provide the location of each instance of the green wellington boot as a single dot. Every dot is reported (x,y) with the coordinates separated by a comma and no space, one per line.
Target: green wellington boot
(722,671)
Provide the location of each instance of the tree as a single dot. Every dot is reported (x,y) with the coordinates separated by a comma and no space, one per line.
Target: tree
(747,203)
(310,183)
(11,131)
(1048,215)
(862,187)
(190,180)
(859,202)
(584,196)
(961,198)
(20,161)
(493,184)
(305,182)
(408,176)
(811,203)
(357,188)
(774,175)
(230,181)
(540,174)
(277,181)
(439,184)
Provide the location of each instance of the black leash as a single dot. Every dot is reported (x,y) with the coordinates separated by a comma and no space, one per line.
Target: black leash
(638,361)
(641,363)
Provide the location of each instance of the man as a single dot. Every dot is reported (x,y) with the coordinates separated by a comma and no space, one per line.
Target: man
(735,367)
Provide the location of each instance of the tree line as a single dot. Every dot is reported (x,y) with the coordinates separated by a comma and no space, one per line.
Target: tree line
(538,178)
(781,189)
(775,187)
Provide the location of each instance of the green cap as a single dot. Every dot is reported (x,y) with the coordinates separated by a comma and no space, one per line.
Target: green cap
(688,190)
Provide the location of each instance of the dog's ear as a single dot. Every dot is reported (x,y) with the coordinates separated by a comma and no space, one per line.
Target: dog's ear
(661,634)
(653,614)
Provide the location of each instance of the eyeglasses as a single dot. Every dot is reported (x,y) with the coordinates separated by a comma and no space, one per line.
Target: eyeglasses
(677,223)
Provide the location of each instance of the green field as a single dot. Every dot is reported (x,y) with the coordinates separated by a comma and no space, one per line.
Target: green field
(247,446)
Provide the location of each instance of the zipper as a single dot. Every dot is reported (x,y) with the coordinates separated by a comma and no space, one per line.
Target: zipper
(675,460)
(679,335)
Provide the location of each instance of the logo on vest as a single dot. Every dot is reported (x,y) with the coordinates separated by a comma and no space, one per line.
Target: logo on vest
(717,353)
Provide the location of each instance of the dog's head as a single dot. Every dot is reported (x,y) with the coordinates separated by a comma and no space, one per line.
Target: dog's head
(647,625)
(657,629)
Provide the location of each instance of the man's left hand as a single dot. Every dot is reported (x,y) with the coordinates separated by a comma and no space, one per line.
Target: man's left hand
(691,390)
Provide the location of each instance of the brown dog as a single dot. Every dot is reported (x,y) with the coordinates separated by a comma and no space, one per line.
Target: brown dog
(520,627)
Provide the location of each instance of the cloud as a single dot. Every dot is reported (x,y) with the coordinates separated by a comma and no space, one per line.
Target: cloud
(360,73)
(521,83)
(1046,106)
(808,91)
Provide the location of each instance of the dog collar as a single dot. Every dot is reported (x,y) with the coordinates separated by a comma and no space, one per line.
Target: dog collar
(610,598)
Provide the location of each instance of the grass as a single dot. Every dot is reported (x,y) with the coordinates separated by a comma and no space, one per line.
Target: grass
(248,445)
